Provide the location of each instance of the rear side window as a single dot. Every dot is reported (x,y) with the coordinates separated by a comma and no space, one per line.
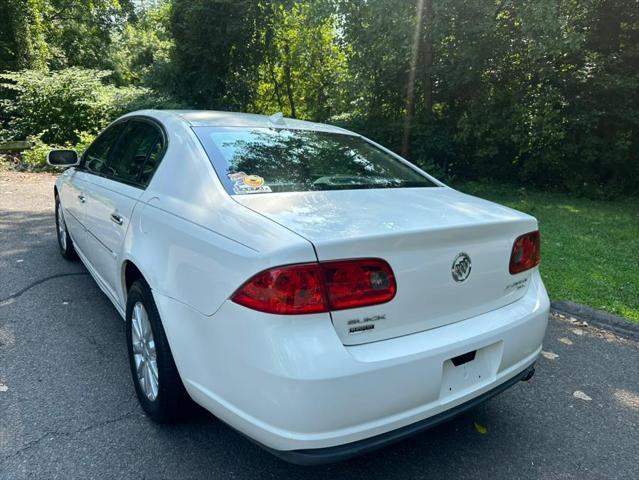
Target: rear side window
(263,160)
(137,153)
(152,161)
(97,155)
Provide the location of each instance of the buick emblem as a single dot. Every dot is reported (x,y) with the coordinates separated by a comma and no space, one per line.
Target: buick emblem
(461,267)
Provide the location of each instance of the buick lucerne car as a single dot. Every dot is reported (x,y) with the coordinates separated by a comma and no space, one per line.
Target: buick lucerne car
(310,288)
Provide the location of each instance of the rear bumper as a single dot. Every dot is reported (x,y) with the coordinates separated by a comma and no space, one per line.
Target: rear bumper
(339,453)
(290,384)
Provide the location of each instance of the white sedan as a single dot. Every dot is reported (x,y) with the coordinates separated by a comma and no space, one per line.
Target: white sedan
(307,286)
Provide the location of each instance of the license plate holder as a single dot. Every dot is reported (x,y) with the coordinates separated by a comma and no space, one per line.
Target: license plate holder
(469,370)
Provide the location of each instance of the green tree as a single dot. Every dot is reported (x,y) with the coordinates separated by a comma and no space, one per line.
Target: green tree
(304,70)
(141,52)
(379,34)
(80,32)
(541,92)
(22,39)
(216,53)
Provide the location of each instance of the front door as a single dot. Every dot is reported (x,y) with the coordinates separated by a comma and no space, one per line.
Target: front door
(72,200)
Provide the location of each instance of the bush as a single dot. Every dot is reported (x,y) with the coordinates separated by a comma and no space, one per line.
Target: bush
(35,159)
(55,106)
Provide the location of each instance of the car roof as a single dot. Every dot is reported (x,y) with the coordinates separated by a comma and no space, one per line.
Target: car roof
(213,118)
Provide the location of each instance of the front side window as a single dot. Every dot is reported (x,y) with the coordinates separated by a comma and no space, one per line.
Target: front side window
(136,154)
(97,155)
(262,160)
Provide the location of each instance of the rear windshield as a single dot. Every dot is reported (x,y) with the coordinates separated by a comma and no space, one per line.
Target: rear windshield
(264,160)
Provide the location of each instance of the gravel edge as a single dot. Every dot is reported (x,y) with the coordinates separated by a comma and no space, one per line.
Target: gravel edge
(598,318)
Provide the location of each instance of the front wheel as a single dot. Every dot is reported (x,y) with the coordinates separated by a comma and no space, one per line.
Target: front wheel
(157,382)
(64,239)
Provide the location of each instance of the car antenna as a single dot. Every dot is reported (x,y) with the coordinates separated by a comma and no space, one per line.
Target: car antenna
(277,118)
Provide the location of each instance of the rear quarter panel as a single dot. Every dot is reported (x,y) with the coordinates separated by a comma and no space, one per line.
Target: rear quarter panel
(191,240)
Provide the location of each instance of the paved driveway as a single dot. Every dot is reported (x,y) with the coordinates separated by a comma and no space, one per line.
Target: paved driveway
(68,410)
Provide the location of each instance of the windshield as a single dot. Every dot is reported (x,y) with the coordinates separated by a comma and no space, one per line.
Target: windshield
(263,160)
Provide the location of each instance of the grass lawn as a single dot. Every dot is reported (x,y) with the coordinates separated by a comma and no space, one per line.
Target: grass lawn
(589,248)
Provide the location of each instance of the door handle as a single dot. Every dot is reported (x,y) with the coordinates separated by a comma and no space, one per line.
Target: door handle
(82,198)
(115,218)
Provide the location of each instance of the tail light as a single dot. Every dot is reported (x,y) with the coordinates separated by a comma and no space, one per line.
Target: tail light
(358,283)
(318,287)
(284,290)
(526,252)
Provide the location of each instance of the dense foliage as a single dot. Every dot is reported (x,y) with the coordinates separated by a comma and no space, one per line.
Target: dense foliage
(60,103)
(542,92)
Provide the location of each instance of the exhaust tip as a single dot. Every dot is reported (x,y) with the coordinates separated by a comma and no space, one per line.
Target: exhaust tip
(529,374)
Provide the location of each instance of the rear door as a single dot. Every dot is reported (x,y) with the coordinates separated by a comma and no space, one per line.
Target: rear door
(114,193)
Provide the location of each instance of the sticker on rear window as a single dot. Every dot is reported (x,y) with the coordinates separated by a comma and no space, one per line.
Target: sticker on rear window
(249,184)
(253,181)
(242,189)
(234,177)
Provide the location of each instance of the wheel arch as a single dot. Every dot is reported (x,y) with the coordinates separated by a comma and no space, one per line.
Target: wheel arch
(130,272)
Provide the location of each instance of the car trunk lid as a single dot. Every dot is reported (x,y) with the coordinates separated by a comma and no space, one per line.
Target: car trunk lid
(426,235)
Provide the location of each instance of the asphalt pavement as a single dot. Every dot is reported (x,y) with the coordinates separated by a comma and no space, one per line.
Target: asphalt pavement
(68,408)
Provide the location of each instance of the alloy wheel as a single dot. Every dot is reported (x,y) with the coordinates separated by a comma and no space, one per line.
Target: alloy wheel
(144,353)
(62,229)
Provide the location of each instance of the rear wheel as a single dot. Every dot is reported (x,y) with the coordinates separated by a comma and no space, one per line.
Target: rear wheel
(157,382)
(64,240)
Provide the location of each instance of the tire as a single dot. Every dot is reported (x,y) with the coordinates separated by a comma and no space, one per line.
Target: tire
(168,401)
(62,233)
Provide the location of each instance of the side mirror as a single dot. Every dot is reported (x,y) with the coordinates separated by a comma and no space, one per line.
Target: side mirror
(63,158)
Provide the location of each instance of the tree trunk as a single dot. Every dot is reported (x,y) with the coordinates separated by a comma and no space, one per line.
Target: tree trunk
(410,89)
(289,82)
(428,56)
(607,34)
(276,86)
